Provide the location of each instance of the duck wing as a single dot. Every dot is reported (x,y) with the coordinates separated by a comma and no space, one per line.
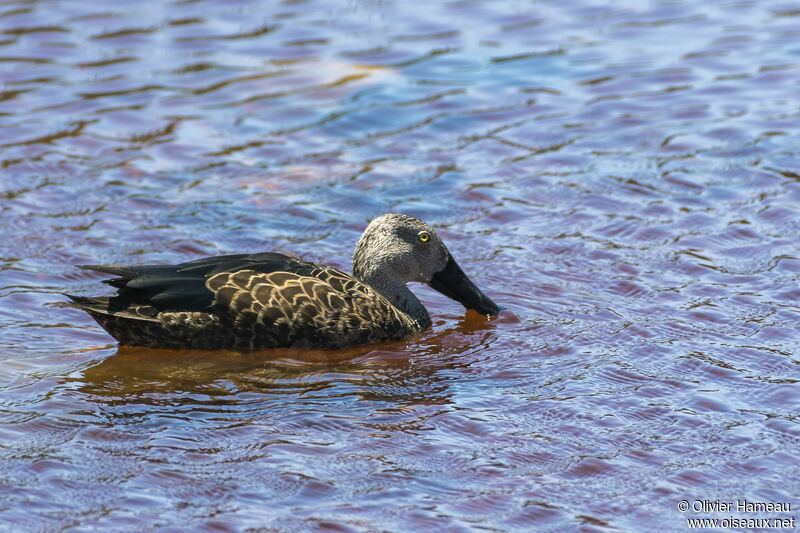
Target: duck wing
(183,287)
(258,300)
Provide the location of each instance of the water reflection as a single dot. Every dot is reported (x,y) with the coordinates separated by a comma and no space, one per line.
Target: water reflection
(389,372)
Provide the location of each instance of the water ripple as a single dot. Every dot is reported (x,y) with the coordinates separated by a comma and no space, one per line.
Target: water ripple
(623,179)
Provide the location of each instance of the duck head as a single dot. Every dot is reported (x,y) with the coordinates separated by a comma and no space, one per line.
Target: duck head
(400,248)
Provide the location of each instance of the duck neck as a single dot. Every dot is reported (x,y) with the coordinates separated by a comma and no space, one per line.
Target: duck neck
(399,296)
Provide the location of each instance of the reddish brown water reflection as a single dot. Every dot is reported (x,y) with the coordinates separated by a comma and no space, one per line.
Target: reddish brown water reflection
(623,178)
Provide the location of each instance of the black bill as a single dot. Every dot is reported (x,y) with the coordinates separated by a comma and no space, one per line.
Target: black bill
(453,283)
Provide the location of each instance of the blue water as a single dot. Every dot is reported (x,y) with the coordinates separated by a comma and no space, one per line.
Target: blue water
(623,178)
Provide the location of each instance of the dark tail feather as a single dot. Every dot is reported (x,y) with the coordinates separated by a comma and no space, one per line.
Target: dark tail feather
(97,305)
(114,310)
(129,325)
(119,270)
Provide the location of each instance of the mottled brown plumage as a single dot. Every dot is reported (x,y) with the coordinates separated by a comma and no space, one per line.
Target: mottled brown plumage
(271,300)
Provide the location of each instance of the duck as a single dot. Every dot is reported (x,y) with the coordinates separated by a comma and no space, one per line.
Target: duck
(274,300)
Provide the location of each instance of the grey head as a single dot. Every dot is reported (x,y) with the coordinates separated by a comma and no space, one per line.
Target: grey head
(396,249)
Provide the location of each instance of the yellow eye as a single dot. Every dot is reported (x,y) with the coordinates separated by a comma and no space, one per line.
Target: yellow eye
(424,236)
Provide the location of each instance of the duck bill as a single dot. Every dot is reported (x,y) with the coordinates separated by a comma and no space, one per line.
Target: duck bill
(453,283)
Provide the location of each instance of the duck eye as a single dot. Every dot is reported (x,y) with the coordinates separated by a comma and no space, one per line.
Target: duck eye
(424,236)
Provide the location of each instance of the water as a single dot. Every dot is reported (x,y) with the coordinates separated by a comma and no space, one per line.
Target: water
(624,178)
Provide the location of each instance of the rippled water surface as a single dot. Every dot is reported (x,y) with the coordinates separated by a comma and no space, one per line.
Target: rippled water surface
(623,177)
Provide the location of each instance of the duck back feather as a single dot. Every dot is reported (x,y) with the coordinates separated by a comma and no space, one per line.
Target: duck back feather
(261,300)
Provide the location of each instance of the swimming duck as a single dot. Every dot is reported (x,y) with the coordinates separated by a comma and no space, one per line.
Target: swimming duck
(270,300)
